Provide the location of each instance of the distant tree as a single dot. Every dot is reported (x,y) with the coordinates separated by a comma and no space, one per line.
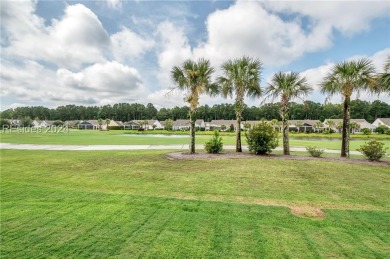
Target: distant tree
(100,122)
(299,124)
(26,122)
(168,124)
(354,126)
(108,121)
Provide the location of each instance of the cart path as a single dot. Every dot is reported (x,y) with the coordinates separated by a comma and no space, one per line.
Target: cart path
(136,147)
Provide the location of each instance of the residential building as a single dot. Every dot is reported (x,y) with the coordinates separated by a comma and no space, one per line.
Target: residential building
(361,122)
(382,121)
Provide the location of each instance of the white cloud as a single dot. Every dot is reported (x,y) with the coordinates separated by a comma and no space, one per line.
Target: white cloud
(114,4)
(315,75)
(126,44)
(77,38)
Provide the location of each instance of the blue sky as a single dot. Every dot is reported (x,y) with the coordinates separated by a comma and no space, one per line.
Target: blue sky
(104,52)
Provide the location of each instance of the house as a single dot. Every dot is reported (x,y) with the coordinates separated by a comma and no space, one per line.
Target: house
(89,124)
(42,124)
(130,125)
(71,123)
(304,126)
(251,123)
(111,124)
(219,124)
(185,124)
(361,122)
(149,124)
(15,123)
(381,121)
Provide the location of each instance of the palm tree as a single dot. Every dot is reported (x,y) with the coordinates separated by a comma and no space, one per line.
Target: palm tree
(384,78)
(318,125)
(274,123)
(287,86)
(100,122)
(108,121)
(354,126)
(346,78)
(339,126)
(241,76)
(195,79)
(330,124)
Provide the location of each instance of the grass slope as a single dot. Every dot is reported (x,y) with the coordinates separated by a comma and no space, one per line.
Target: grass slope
(138,204)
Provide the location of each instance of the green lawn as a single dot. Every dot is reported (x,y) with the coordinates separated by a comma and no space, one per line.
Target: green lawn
(139,204)
(90,137)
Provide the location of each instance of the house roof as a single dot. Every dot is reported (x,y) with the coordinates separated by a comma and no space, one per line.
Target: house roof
(150,122)
(385,121)
(304,122)
(227,123)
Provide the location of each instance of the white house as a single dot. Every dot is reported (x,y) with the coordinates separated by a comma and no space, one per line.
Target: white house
(361,122)
(149,124)
(218,124)
(185,124)
(382,121)
(41,124)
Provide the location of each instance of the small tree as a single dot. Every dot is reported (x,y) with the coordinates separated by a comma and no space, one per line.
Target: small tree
(214,145)
(154,126)
(26,122)
(247,126)
(353,127)
(299,124)
(223,127)
(58,123)
(262,138)
(168,124)
(108,121)
(100,122)
(366,131)
(382,129)
(373,150)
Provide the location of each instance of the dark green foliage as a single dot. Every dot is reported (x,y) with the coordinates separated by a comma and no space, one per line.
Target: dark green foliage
(26,122)
(115,127)
(315,151)
(373,150)
(366,131)
(4,123)
(382,129)
(262,138)
(214,145)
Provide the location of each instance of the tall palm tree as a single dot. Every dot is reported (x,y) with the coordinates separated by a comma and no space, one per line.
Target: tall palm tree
(195,79)
(384,78)
(241,76)
(330,124)
(346,78)
(287,86)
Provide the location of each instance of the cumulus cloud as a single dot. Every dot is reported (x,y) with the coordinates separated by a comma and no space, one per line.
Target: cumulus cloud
(315,75)
(77,38)
(114,4)
(101,83)
(127,44)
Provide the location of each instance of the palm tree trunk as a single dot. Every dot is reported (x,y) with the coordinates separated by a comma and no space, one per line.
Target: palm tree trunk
(284,115)
(286,146)
(345,130)
(238,136)
(192,133)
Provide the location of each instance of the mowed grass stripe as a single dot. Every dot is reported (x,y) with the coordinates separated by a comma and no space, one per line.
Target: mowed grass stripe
(122,226)
(137,204)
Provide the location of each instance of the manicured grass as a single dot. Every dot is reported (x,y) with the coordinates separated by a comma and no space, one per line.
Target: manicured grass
(93,137)
(139,204)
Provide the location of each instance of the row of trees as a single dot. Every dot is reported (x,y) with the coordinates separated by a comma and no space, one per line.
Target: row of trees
(241,77)
(126,112)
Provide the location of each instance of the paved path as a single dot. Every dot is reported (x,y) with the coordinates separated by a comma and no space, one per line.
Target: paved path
(136,147)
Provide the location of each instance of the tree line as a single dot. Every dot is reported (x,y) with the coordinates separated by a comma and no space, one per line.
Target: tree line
(225,111)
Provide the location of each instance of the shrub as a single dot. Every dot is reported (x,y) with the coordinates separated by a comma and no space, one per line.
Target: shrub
(214,145)
(366,131)
(262,138)
(382,129)
(315,151)
(373,150)
(115,127)
(58,123)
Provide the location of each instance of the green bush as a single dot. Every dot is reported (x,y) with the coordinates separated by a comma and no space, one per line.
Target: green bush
(115,127)
(214,145)
(262,138)
(366,131)
(315,151)
(382,129)
(373,150)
